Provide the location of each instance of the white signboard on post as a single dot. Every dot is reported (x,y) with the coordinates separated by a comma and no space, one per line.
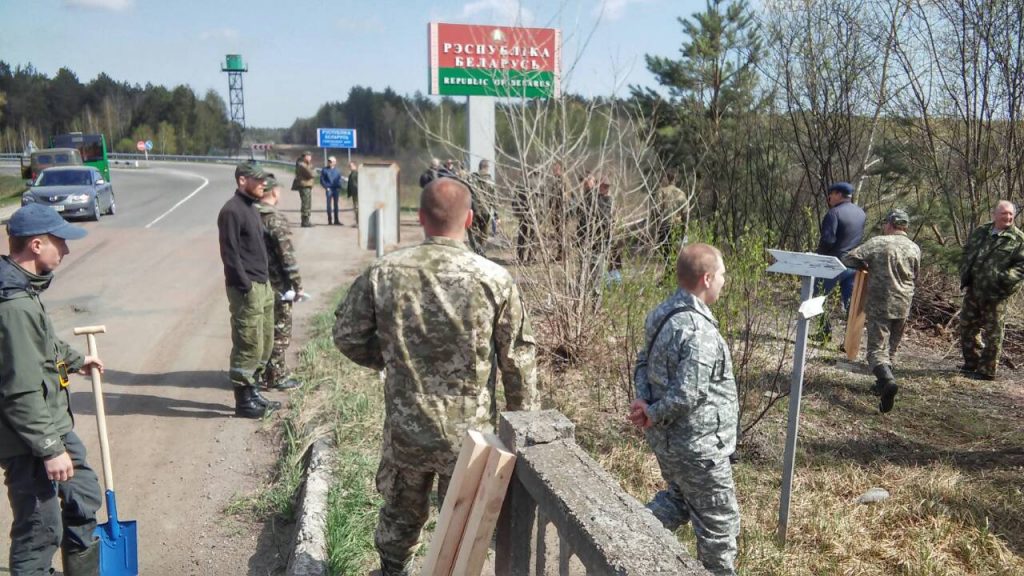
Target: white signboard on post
(808,266)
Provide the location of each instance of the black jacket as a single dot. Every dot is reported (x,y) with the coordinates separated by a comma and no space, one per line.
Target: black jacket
(241,242)
(841,229)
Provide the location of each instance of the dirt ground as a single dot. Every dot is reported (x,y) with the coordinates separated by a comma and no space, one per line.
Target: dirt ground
(152,274)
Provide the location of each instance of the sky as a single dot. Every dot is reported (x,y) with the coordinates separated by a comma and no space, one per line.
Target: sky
(304,53)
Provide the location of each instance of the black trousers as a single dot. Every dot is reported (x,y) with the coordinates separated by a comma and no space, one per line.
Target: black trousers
(48,514)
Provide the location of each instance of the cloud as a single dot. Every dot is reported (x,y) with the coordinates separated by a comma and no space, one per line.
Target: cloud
(615,9)
(499,11)
(220,34)
(112,5)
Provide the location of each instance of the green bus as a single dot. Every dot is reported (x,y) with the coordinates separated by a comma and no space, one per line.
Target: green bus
(93,148)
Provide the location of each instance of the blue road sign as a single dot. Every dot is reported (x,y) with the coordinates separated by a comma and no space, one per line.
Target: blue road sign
(336,138)
(149,144)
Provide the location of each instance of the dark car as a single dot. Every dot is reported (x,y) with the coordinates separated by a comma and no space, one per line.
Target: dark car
(73,191)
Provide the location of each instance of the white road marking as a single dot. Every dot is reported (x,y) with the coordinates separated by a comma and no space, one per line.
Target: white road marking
(180,202)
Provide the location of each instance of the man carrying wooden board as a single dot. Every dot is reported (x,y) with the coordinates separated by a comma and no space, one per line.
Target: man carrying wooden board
(893,260)
(434,316)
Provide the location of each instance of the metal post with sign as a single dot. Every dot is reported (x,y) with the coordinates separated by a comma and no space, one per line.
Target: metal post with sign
(344,138)
(808,266)
(149,146)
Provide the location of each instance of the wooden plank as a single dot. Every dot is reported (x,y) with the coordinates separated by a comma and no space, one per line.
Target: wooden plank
(855,319)
(480,526)
(458,501)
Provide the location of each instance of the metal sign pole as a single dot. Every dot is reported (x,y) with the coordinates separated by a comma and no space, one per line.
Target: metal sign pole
(795,391)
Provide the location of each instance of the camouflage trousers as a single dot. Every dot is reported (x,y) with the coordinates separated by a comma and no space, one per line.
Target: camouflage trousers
(277,366)
(701,492)
(306,201)
(405,490)
(884,335)
(252,332)
(981,333)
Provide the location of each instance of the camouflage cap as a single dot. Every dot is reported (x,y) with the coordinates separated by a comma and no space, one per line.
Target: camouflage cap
(270,182)
(897,217)
(249,169)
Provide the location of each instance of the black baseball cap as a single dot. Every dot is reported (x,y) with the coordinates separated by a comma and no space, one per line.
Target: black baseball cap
(36,220)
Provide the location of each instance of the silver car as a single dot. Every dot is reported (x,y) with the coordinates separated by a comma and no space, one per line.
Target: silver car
(74,191)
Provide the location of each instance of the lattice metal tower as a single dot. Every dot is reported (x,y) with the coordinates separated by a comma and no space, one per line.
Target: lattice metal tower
(234,66)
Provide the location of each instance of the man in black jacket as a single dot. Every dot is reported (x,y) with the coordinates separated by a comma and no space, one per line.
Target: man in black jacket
(53,492)
(841,231)
(250,297)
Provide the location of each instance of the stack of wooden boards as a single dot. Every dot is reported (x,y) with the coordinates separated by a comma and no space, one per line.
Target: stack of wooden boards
(471,507)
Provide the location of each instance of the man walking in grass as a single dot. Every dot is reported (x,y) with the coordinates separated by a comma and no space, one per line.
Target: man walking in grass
(434,317)
(892,261)
(687,406)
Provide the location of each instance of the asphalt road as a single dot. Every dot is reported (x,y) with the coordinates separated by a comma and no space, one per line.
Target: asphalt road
(152,275)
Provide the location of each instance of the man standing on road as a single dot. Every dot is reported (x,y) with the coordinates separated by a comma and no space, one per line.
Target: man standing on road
(435,317)
(991,271)
(892,261)
(304,176)
(352,190)
(283,270)
(688,408)
(250,297)
(841,230)
(330,179)
(53,492)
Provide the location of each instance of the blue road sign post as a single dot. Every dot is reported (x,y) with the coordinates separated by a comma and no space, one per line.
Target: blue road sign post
(336,138)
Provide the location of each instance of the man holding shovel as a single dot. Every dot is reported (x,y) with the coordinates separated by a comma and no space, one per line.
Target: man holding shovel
(54,494)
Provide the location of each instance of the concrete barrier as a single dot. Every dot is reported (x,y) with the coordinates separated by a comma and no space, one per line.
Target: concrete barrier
(565,515)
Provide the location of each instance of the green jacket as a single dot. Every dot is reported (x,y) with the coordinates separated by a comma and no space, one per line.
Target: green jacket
(35,412)
(993,263)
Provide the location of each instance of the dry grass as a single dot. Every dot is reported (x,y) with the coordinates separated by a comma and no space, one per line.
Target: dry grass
(950,455)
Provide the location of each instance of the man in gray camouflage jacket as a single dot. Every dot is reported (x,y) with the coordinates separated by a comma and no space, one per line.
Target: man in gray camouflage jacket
(688,407)
(434,317)
(892,261)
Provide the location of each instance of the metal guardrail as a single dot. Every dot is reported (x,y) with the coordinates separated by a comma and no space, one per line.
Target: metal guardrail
(121,156)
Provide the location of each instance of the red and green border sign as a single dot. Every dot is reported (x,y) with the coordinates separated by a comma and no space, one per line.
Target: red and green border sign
(498,61)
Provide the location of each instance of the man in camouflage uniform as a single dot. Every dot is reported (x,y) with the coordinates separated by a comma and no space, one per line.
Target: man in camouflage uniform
(284,276)
(892,261)
(434,317)
(991,272)
(303,183)
(687,405)
(482,194)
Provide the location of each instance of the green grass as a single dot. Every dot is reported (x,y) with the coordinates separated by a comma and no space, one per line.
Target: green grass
(343,402)
(11,188)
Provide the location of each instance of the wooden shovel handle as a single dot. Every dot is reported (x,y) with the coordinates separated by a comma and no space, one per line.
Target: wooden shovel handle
(101,414)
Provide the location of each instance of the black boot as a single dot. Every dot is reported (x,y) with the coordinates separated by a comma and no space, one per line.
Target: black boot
(247,405)
(887,382)
(82,562)
(262,400)
(883,376)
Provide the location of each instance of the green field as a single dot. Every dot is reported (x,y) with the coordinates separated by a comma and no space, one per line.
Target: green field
(11,188)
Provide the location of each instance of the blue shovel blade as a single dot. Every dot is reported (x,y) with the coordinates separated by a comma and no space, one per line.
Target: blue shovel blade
(119,543)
